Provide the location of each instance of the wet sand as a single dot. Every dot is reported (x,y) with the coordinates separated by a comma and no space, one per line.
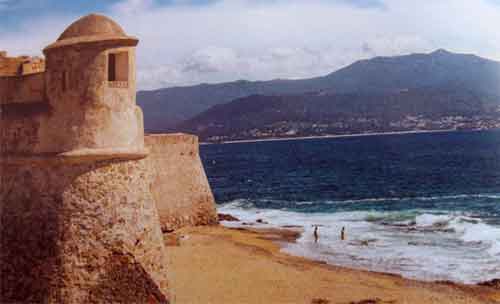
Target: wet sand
(223,265)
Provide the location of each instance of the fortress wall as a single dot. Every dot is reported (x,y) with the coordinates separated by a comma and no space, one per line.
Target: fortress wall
(33,66)
(19,127)
(23,107)
(22,89)
(79,221)
(10,66)
(180,187)
(83,232)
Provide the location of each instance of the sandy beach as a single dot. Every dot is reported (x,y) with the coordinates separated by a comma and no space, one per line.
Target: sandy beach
(223,265)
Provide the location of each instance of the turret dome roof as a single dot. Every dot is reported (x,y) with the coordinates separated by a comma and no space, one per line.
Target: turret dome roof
(93,28)
(92,25)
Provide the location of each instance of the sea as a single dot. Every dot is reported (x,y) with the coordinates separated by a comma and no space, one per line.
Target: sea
(426,206)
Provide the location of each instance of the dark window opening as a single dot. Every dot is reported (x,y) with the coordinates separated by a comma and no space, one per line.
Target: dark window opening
(64,84)
(118,65)
(112,67)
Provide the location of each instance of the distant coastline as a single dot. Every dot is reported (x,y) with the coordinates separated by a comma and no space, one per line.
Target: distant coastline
(338,136)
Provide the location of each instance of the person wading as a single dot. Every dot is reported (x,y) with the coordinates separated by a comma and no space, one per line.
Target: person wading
(342,234)
(316,236)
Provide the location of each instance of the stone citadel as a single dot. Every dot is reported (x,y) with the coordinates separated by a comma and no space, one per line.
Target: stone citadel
(84,194)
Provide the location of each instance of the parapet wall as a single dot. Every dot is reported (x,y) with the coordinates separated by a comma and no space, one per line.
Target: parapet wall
(23,109)
(21,65)
(180,186)
(22,89)
(10,66)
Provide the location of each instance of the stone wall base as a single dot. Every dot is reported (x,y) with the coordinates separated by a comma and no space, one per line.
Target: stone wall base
(80,233)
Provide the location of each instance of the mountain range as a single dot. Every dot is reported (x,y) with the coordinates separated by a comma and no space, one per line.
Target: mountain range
(382,91)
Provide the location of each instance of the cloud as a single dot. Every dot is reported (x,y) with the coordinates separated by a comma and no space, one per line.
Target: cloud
(4,4)
(131,7)
(365,3)
(191,41)
(239,39)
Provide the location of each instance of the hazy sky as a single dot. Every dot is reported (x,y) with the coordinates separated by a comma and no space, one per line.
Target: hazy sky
(192,41)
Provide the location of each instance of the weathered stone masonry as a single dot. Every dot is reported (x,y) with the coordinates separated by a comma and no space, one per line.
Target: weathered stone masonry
(84,194)
(176,165)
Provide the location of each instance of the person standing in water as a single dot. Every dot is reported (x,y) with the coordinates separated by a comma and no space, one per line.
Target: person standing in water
(316,236)
(342,234)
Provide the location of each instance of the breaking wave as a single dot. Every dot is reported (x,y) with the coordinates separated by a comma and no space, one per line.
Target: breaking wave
(426,244)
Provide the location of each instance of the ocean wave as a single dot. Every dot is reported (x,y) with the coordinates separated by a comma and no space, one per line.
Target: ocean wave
(434,244)
(416,198)
(427,220)
(481,233)
(248,203)
(402,217)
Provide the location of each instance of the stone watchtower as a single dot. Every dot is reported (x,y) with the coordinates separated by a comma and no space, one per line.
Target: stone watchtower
(91,67)
(78,216)
(84,194)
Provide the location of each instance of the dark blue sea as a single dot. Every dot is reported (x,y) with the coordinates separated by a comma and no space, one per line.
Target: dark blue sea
(425,205)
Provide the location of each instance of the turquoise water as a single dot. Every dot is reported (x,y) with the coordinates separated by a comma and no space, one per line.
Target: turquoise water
(423,205)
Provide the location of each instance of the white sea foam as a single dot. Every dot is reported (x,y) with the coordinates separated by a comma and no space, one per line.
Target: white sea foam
(432,220)
(422,244)
(481,233)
